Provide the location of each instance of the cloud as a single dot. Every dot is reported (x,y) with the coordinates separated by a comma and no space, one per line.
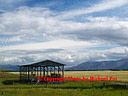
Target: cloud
(68,57)
(39,24)
(111,30)
(11,39)
(102,6)
(6,5)
(46,34)
(57,44)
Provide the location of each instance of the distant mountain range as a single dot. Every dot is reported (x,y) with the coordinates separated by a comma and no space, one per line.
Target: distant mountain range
(102,65)
(10,67)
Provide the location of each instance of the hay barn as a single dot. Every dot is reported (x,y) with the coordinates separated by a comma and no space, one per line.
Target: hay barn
(29,73)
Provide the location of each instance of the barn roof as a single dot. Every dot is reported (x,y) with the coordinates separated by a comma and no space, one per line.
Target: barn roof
(44,63)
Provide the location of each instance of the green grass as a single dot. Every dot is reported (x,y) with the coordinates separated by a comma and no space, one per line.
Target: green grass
(65,92)
(69,88)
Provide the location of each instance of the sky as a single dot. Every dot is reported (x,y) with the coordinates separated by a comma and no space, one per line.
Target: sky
(66,31)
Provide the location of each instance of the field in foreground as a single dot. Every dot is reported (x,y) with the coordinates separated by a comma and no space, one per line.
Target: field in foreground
(68,88)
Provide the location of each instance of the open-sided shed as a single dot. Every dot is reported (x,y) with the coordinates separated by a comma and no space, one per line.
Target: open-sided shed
(44,68)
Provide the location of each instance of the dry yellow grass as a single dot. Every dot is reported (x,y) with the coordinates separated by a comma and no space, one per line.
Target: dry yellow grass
(121,75)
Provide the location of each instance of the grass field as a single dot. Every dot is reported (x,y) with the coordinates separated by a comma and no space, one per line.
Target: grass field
(121,75)
(69,88)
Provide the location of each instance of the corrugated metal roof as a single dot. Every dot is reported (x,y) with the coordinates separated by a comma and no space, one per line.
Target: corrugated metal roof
(44,63)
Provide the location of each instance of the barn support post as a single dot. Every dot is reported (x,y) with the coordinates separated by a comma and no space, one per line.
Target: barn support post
(40,70)
(58,69)
(54,69)
(20,73)
(63,71)
(26,69)
(51,69)
(24,72)
(28,73)
(43,70)
(47,70)
(37,71)
(31,74)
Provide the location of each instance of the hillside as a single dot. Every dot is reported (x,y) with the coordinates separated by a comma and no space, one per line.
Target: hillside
(119,64)
(9,67)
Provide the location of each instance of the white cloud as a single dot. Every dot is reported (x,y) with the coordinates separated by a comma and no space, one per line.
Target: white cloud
(11,39)
(56,44)
(102,6)
(101,19)
(38,24)
(64,56)
(6,5)
(11,59)
(60,40)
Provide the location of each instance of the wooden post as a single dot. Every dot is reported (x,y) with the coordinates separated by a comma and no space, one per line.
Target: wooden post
(46,78)
(28,73)
(47,70)
(31,74)
(50,69)
(25,73)
(43,70)
(40,70)
(63,71)
(20,73)
(54,69)
(58,69)
(37,71)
